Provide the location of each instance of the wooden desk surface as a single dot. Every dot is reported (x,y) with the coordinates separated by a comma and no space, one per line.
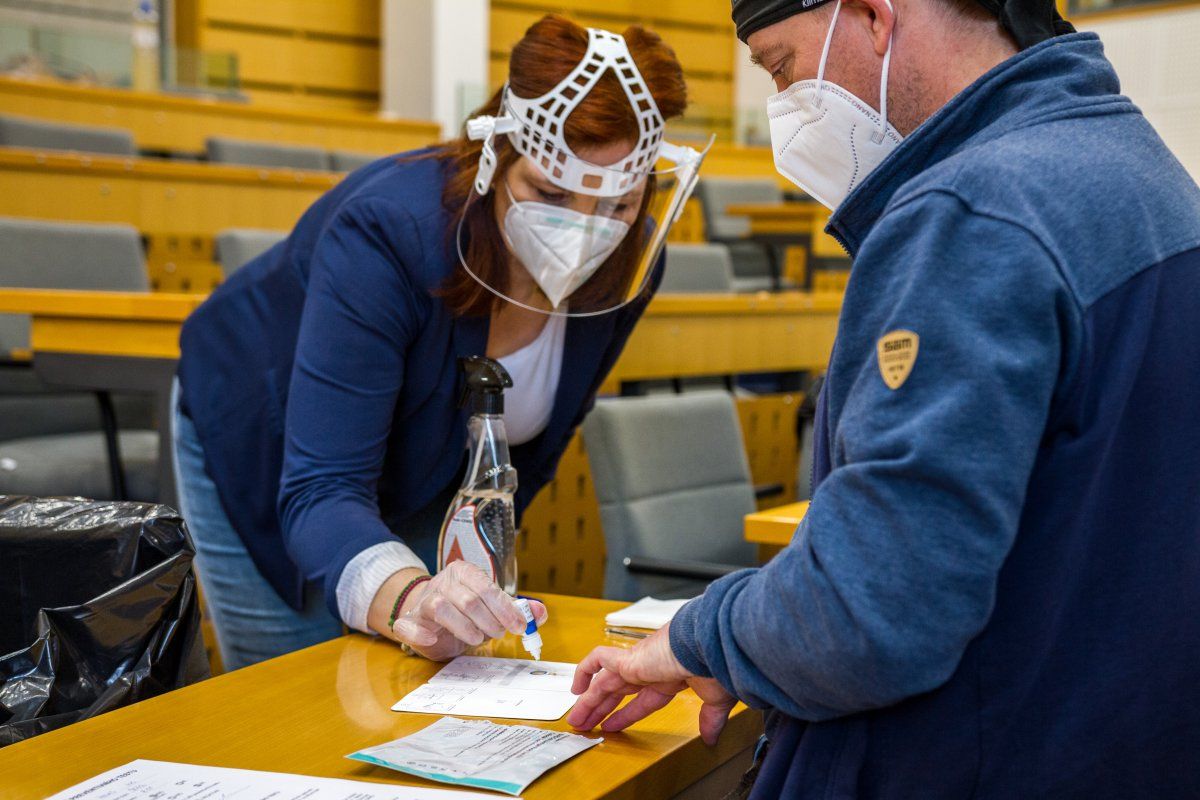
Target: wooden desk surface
(791,219)
(161,121)
(139,324)
(679,334)
(303,712)
(775,526)
(793,210)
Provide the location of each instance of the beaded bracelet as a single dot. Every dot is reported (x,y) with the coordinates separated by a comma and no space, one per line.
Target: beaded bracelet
(404,596)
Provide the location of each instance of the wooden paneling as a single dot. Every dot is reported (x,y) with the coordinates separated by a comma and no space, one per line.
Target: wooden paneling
(293,52)
(339,67)
(160,197)
(181,124)
(769,433)
(181,262)
(561,544)
(348,18)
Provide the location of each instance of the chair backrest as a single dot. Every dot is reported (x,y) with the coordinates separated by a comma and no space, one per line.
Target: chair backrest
(348,160)
(56,255)
(34,133)
(693,268)
(223,150)
(673,481)
(236,246)
(717,194)
(751,267)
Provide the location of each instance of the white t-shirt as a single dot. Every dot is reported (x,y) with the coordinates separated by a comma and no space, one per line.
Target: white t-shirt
(535,369)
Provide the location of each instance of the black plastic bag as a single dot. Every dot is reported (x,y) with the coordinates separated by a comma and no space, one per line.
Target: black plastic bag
(98,609)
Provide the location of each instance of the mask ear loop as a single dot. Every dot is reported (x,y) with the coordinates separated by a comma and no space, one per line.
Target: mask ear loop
(881,134)
(825,51)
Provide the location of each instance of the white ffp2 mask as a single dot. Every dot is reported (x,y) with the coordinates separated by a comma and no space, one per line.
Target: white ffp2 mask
(560,248)
(824,138)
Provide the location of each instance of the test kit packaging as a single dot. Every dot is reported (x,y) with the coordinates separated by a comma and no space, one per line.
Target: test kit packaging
(478,753)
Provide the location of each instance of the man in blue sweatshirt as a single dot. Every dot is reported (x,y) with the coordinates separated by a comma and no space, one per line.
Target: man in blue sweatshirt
(996,591)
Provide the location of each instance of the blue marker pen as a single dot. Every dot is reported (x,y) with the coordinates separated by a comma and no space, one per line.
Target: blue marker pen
(531,640)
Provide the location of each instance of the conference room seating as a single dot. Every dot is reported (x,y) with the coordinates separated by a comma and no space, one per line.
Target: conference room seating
(697,268)
(718,193)
(236,246)
(59,443)
(757,266)
(18,131)
(673,484)
(224,150)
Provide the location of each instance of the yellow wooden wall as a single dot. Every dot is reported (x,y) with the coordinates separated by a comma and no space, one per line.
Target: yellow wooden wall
(319,53)
(700,32)
(560,547)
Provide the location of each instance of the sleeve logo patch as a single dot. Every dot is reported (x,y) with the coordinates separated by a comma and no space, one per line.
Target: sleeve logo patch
(897,351)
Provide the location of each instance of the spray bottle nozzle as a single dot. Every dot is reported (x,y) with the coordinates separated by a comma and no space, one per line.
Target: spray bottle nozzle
(484,384)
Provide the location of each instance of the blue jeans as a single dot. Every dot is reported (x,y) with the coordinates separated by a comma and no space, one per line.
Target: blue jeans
(252,622)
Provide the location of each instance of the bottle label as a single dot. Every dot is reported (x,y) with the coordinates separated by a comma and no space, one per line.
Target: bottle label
(464,542)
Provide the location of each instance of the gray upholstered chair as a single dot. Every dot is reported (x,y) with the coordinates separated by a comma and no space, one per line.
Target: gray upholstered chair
(757,265)
(673,482)
(717,194)
(236,246)
(223,150)
(52,442)
(348,160)
(18,131)
(55,255)
(694,268)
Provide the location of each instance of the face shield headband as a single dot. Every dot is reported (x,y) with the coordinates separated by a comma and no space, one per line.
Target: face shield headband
(535,128)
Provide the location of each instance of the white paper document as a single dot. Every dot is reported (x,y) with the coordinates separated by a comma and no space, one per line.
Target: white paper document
(161,780)
(512,688)
(478,753)
(645,613)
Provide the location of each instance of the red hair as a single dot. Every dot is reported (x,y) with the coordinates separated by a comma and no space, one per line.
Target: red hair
(550,49)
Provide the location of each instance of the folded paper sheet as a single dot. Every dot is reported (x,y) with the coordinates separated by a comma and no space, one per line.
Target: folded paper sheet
(646,613)
(155,780)
(513,688)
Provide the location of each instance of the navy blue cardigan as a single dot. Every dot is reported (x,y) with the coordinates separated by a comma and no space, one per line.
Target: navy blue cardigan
(322,379)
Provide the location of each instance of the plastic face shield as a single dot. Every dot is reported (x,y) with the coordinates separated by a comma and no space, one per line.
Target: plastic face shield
(633,200)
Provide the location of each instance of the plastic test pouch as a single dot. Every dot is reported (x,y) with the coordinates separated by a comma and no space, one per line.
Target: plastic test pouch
(478,753)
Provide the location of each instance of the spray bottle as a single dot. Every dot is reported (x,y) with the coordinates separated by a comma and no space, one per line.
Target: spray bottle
(480,526)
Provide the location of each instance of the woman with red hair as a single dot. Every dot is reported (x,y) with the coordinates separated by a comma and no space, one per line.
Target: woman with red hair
(318,436)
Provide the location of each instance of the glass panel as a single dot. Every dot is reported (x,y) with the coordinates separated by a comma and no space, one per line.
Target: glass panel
(107,59)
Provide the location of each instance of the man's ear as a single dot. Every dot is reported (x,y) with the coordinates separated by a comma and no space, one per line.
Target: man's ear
(882,18)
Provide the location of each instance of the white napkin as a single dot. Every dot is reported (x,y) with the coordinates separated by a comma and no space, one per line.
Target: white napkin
(645,613)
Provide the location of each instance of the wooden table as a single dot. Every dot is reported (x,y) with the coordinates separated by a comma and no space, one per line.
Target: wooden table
(679,336)
(160,121)
(303,712)
(722,334)
(791,220)
(775,526)
(108,341)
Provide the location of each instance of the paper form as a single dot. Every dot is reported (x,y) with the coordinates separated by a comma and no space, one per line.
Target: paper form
(162,780)
(512,688)
(478,753)
(646,613)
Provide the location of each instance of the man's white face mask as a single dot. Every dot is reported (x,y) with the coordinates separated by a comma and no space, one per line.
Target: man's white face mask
(826,140)
(560,248)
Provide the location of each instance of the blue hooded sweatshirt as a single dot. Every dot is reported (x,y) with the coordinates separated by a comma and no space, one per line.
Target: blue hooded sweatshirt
(996,591)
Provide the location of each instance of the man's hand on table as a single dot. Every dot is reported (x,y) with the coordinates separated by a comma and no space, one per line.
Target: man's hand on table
(459,608)
(650,671)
